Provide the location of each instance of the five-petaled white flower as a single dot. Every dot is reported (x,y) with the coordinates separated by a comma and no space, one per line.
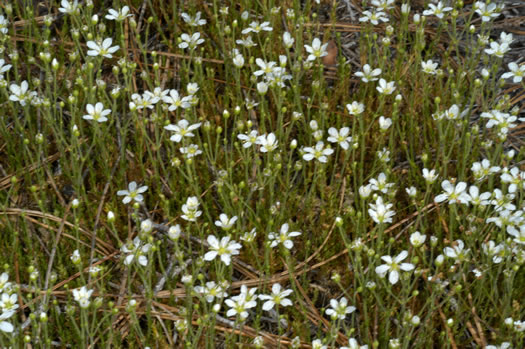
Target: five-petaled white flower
(96,112)
(20,93)
(224,222)
(380,212)
(516,72)
(223,248)
(437,10)
(136,249)
(283,237)
(211,290)
(318,152)
(268,142)
(453,193)
(133,193)
(190,41)
(119,15)
(429,67)
(68,7)
(394,265)
(278,297)
(317,50)
(248,139)
(82,295)
(341,137)
(175,101)
(368,74)
(457,251)
(255,27)
(353,344)
(103,49)
(190,151)
(339,309)
(385,87)
(4,325)
(182,129)
(191,209)
(193,21)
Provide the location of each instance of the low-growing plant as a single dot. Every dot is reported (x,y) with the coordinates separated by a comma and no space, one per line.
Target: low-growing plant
(296,173)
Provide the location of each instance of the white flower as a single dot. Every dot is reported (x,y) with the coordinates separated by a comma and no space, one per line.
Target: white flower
(182,129)
(190,151)
(136,249)
(247,42)
(224,222)
(190,42)
(355,108)
(384,123)
(429,176)
(429,67)
(211,290)
(68,7)
(266,67)
(255,27)
(487,12)
(457,251)
(238,60)
(283,237)
(353,344)
(191,209)
(3,24)
(519,235)
(341,137)
(268,142)
(317,50)
(103,49)
(483,169)
(175,101)
(193,21)
(278,297)
(516,72)
(394,265)
(497,49)
(248,139)
(368,74)
(476,199)
(318,152)
(288,40)
(385,87)
(20,93)
(262,87)
(8,302)
(495,251)
(224,249)
(380,212)
(453,193)
(417,239)
(4,67)
(437,10)
(318,344)
(119,15)
(249,237)
(82,295)
(75,257)
(339,309)
(96,113)
(373,17)
(5,285)
(146,100)
(381,184)
(365,191)
(133,193)
(506,38)
(4,325)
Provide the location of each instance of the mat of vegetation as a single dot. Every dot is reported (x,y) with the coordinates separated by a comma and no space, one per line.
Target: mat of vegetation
(261,173)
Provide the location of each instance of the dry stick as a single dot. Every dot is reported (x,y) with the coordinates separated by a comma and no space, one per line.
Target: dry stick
(99,211)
